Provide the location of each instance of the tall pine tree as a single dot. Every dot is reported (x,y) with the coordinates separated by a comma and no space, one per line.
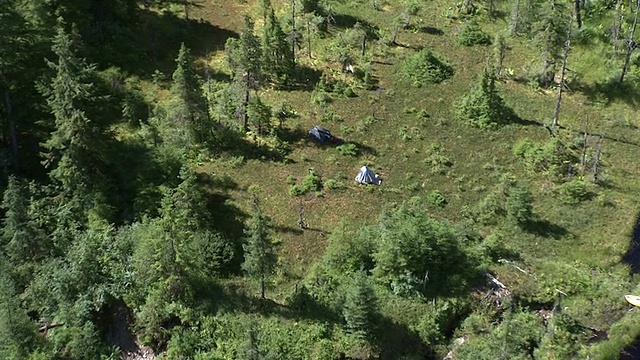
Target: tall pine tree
(277,60)
(259,254)
(188,107)
(359,309)
(76,146)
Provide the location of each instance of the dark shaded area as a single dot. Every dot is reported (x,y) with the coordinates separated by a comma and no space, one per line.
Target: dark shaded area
(305,78)
(349,21)
(545,228)
(431,30)
(608,91)
(631,352)
(116,327)
(154,43)
(632,257)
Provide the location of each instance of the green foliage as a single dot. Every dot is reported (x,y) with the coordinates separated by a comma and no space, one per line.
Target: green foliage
(563,338)
(425,67)
(259,114)
(334,184)
(18,334)
(359,308)
(552,157)
(413,248)
(311,182)
(574,191)
(519,204)
(437,159)
(277,60)
(483,107)
(436,198)
(259,253)
(348,149)
(471,34)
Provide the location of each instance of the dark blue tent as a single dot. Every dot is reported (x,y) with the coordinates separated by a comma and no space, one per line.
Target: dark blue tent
(321,134)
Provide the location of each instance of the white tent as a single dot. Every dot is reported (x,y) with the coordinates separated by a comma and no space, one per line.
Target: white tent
(366,176)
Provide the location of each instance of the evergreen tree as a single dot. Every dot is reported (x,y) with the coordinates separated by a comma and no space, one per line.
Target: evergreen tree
(260,114)
(21,242)
(359,309)
(188,108)
(519,205)
(277,61)
(76,146)
(18,334)
(483,106)
(244,56)
(249,350)
(259,253)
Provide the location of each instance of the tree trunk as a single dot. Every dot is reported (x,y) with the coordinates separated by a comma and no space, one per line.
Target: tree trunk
(294,40)
(556,112)
(364,43)
(262,286)
(245,104)
(615,29)
(595,171)
(578,15)
(630,43)
(515,18)
(583,160)
(309,38)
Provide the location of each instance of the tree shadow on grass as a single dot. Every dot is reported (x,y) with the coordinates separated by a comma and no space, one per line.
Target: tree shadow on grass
(305,78)
(431,30)
(632,257)
(545,228)
(349,21)
(154,43)
(609,91)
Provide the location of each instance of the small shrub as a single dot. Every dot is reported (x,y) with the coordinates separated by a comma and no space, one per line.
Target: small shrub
(291,180)
(321,98)
(425,67)
(519,204)
(483,107)
(437,159)
(574,191)
(312,182)
(348,149)
(471,34)
(553,157)
(334,184)
(296,190)
(436,199)
(330,116)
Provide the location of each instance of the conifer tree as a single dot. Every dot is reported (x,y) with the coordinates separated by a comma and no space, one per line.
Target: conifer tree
(188,108)
(359,308)
(519,205)
(76,145)
(249,350)
(17,333)
(483,106)
(259,253)
(277,61)
(21,246)
(244,56)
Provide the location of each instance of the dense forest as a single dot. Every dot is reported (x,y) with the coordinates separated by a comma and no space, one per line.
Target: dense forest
(163,199)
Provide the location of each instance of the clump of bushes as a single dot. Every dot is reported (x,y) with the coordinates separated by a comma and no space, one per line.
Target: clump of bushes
(311,182)
(471,34)
(553,157)
(425,67)
(574,191)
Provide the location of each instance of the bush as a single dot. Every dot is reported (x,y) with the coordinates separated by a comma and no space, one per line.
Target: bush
(574,191)
(471,34)
(436,199)
(296,190)
(483,107)
(519,205)
(552,157)
(312,182)
(348,149)
(425,67)
(334,184)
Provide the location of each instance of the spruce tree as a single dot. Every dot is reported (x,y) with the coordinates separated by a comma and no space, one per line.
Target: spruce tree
(259,253)
(277,61)
(245,56)
(519,205)
(20,244)
(188,108)
(18,334)
(484,107)
(76,146)
(359,308)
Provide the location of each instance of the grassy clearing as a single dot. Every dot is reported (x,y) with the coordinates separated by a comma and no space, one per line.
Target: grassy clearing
(590,237)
